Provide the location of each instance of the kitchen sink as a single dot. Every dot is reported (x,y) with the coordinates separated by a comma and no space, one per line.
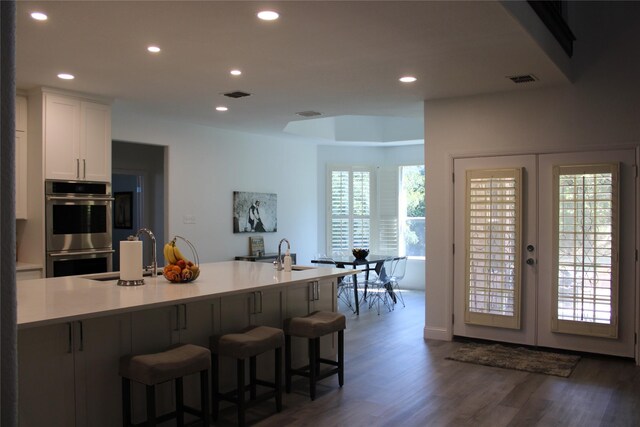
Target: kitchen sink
(106,277)
(301,267)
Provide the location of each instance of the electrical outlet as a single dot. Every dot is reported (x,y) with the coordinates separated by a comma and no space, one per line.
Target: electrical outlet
(189,219)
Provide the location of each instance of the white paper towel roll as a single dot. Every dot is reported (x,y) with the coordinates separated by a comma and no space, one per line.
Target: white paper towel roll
(130,260)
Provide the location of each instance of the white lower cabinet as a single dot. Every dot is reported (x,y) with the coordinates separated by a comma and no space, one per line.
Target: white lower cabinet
(67,375)
(253,308)
(305,298)
(155,330)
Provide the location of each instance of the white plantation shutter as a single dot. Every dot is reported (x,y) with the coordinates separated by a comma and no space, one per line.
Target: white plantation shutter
(339,211)
(493,223)
(361,181)
(388,193)
(349,220)
(585,252)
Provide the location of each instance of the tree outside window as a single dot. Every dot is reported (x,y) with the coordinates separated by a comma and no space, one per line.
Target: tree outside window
(412,211)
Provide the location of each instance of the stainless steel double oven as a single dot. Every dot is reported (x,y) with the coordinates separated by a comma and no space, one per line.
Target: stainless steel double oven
(78,227)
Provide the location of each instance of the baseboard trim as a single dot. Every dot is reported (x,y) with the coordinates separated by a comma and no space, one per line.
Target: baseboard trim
(442,334)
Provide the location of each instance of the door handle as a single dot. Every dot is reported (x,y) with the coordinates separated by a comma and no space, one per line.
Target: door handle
(70,335)
(184,306)
(177,328)
(81,348)
(530,261)
(77,168)
(84,168)
(531,248)
(257,302)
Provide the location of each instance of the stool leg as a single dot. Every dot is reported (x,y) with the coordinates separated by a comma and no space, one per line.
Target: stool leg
(179,402)
(278,379)
(341,357)
(287,362)
(126,402)
(317,356)
(252,377)
(204,397)
(312,368)
(151,406)
(215,400)
(241,391)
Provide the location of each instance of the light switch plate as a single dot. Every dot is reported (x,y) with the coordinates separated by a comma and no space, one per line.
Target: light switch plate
(189,219)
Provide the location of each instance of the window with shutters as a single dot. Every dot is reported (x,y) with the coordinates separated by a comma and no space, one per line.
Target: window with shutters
(350,212)
(585,291)
(493,223)
(381,209)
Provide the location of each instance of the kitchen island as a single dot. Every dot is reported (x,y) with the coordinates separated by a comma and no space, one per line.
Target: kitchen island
(73,330)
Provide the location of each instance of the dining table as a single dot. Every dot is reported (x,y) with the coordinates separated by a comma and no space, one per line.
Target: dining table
(370,263)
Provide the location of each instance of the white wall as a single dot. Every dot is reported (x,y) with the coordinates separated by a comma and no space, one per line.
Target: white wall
(205,166)
(599,110)
(370,156)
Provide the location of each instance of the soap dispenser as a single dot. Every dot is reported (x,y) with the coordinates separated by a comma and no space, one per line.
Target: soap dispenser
(287,261)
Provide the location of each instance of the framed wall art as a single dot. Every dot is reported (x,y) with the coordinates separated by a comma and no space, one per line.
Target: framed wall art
(123,209)
(255,212)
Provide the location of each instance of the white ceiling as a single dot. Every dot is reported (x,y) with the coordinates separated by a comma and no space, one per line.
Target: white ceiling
(336,57)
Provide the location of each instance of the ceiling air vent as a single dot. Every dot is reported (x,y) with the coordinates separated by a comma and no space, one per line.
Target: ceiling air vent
(236,94)
(525,78)
(308,114)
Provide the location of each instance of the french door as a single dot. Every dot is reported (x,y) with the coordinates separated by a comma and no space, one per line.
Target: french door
(545,250)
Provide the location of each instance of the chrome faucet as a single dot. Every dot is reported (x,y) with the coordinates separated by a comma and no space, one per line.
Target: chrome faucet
(277,264)
(153,268)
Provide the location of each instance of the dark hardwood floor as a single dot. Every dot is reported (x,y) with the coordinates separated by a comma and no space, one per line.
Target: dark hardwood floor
(393,377)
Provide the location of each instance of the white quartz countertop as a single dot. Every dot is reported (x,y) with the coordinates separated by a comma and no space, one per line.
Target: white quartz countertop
(61,299)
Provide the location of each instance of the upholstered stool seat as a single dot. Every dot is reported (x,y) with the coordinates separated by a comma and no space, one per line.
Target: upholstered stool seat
(172,364)
(247,344)
(312,327)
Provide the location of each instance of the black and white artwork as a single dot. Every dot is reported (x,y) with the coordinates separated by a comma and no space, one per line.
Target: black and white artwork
(255,212)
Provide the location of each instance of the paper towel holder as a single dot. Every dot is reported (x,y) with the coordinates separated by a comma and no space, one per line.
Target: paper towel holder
(131,282)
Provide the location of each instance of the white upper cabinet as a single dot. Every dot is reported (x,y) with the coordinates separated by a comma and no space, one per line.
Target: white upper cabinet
(77,139)
(21,157)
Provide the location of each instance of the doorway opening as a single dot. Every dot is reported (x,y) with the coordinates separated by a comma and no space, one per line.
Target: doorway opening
(138,182)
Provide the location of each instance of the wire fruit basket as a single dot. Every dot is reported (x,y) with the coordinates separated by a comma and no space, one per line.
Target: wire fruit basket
(179,268)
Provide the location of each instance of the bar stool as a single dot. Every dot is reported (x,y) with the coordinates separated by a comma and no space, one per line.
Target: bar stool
(153,369)
(314,326)
(248,343)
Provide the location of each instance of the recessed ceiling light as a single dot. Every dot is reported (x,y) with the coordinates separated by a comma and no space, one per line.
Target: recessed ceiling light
(268,15)
(66,76)
(153,49)
(221,108)
(235,72)
(408,79)
(39,16)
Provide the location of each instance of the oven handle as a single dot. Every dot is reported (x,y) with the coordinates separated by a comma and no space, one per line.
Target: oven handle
(60,254)
(88,198)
